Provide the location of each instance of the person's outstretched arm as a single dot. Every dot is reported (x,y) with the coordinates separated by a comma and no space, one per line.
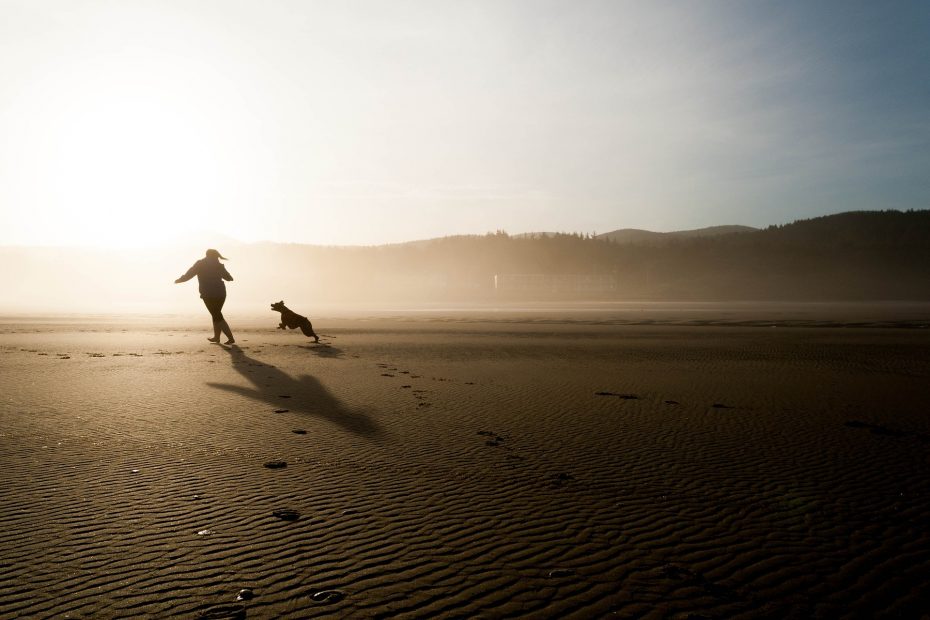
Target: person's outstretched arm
(226,275)
(190,274)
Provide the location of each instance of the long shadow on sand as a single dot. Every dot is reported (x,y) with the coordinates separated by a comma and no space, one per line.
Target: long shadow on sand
(305,395)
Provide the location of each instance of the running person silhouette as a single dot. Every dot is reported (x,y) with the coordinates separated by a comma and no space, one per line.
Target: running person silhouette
(210,274)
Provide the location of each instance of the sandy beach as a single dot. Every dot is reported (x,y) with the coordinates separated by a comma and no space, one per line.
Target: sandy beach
(468,466)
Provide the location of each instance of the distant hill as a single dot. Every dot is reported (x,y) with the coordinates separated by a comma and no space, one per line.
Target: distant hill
(869,255)
(635,235)
(623,235)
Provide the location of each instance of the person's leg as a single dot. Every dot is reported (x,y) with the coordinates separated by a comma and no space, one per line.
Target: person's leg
(215,307)
(223,325)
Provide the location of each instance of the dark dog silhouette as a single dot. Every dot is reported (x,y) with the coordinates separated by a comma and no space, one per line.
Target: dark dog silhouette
(291,319)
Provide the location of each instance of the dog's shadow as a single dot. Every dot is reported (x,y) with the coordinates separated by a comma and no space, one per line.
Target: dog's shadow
(304,395)
(322,349)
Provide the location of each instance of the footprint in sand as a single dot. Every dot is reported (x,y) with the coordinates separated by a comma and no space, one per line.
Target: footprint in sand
(561,478)
(672,402)
(286,514)
(284,395)
(276,464)
(621,396)
(299,431)
(386,374)
(327,596)
(222,612)
(877,429)
(721,406)
(673,571)
(406,386)
(682,573)
(281,410)
(494,440)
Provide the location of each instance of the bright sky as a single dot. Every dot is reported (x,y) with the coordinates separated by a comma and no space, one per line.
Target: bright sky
(353,122)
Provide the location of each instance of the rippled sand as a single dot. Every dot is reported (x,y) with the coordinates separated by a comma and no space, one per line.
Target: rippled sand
(418,467)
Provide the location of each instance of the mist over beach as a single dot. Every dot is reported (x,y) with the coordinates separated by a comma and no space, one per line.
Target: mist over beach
(495,309)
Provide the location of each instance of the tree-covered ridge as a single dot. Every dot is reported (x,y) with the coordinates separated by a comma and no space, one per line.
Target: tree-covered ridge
(856,255)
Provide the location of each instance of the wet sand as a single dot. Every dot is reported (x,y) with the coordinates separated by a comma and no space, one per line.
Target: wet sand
(467,466)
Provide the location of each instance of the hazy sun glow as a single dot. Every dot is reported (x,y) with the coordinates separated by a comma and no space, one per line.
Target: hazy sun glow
(132,171)
(127,123)
(129,138)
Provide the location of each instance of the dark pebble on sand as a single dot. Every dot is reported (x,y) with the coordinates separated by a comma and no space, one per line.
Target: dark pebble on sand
(561,572)
(327,596)
(245,595)
(286,514)
(276,464)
